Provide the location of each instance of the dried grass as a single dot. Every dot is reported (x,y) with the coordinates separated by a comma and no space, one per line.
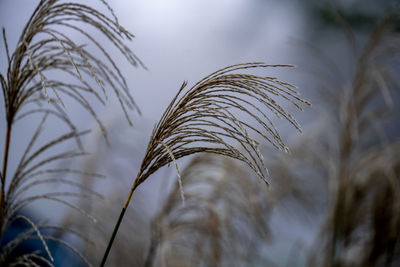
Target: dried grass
(362,227)
(207,118)
(223,222)
(32,87)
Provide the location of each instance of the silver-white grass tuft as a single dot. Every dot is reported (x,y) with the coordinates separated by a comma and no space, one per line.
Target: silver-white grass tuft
(226,213)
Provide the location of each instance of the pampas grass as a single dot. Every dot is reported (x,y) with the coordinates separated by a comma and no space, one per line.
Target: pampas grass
(355,152)
(367,178)
(222,223)
(205,118)
(30,89)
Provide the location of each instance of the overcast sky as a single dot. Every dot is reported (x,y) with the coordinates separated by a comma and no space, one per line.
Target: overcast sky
(185,40)
(179,40)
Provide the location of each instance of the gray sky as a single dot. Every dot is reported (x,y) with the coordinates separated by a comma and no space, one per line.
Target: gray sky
(178,40)
(185,40)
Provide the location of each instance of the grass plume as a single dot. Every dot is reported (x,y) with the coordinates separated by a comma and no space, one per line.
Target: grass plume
(205,118)
(32,88)
(222,223)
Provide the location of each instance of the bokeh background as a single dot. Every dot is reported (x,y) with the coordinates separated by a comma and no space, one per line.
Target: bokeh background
(309,214)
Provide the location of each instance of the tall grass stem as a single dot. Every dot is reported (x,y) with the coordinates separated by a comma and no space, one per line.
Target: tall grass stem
(5,160)
(116,227)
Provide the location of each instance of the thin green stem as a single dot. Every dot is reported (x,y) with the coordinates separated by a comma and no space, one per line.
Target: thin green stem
(4,171)
(114,233)
(116,227)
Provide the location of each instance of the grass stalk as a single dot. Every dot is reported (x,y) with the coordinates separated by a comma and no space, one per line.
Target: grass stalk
(114,233)
(118,223)
(3,175)
(5,160)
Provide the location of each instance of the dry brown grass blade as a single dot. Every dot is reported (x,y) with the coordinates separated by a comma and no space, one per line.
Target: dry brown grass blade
(32,86)
(208,117)
(43,47)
